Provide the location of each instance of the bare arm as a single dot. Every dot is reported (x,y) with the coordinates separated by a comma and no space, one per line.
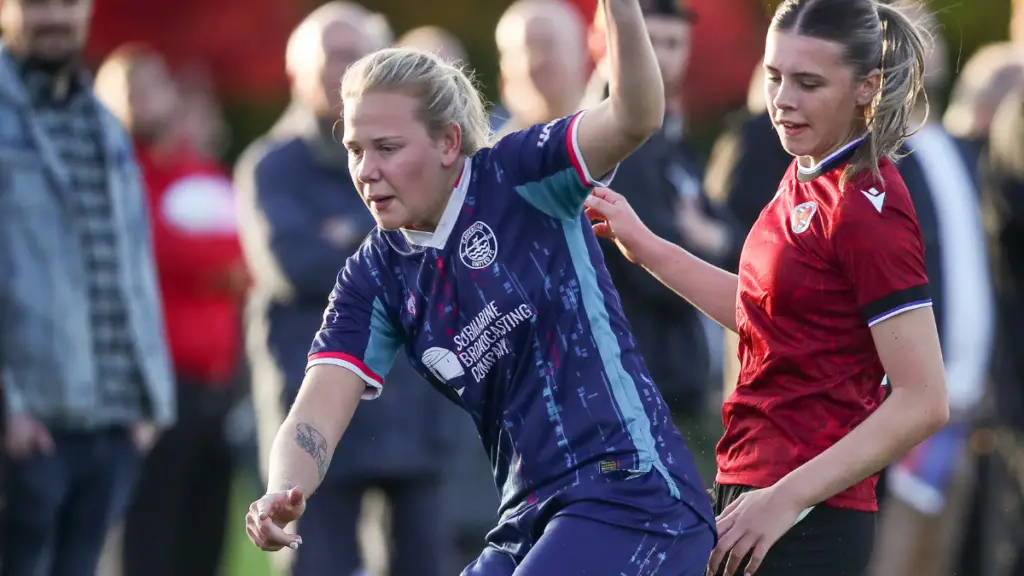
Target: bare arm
(706,286)
(305,443)
(635,107)
(908,346)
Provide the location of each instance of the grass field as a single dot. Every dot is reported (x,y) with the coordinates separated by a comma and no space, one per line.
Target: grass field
(242,558)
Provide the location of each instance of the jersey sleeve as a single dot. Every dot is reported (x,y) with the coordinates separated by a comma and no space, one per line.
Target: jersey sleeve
(357,333)
(878,244)
(544,165)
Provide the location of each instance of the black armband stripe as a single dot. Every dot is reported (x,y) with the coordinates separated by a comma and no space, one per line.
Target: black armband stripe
(896,303)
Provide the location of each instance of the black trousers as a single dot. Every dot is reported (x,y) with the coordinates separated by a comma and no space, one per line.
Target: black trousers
(828,541)
(176,521)
(419,540)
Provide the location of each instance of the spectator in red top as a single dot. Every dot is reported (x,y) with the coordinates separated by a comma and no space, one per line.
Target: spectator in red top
(831,301)
(175,524)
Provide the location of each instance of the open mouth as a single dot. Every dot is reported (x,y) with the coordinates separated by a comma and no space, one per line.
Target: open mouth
(792,128)
(381,203)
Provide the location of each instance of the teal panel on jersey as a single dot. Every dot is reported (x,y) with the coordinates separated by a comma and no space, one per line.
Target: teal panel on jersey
(383,344)
(623,388)
(560,195)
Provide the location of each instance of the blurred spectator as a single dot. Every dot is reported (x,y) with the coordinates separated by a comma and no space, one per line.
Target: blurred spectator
(927,499)
(435,40)
(301,218)
(662,181)
(200,122)
(543,60)
(87,376)
(186,480)
(1017,23)
(988,76)
(747,161)
(1004,219)
(439,41)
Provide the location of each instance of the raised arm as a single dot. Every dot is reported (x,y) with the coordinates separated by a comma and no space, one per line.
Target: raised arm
(635,107)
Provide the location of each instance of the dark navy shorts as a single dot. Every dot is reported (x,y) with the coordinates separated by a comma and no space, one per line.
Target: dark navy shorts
(647,533)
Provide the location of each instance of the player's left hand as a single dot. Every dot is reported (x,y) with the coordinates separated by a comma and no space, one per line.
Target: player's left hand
(751,525)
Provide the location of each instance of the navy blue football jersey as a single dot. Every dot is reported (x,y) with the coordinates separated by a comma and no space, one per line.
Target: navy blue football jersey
(508,309)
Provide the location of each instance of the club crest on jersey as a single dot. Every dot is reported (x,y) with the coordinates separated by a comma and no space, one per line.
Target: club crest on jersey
(800,219)
(479,246)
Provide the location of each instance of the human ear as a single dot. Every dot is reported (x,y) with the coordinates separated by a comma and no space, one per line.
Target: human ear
(868,88)
(451,144)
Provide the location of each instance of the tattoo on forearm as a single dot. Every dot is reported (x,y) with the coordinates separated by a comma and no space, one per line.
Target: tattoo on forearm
(314,444)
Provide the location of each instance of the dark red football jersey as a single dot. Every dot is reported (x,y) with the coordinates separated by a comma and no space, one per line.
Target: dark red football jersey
(820,266)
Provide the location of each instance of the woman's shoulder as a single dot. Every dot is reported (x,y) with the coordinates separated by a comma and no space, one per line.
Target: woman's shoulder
(875,196)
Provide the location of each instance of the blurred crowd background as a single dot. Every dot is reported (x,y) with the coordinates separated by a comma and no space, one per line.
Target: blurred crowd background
(158,293)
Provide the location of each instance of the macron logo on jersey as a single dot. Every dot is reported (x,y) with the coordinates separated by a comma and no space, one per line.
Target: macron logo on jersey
(877,198)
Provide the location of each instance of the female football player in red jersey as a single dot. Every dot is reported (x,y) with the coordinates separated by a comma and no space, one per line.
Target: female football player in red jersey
(830,302)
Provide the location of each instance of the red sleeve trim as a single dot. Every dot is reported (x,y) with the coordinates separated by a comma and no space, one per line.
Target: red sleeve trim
(576,156)
(373,380)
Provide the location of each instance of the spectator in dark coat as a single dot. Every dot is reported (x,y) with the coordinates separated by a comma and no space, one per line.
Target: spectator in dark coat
(1003,186)
(663,182)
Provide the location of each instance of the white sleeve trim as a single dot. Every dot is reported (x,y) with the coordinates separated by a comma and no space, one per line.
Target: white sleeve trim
(373,388)
(897,311)
(575,147)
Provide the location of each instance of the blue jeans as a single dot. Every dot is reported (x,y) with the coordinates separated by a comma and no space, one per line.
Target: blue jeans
(60,505)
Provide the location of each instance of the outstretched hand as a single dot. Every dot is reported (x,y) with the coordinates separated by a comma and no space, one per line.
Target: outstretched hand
(267,517)
(613,218)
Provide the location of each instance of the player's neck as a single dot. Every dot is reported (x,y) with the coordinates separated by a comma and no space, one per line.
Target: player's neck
(451,178)
(817,159)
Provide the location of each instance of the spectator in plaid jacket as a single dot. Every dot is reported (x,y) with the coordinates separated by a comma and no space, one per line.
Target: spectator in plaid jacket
(86,374)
